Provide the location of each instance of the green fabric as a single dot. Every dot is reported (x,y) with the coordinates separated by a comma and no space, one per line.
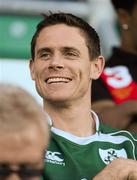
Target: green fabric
(15,35)
(67,160)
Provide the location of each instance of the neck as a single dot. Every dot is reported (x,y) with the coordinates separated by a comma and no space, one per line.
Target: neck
(75,119)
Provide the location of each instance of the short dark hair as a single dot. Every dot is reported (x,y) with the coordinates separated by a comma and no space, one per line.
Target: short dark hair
(127,5)
(91,36)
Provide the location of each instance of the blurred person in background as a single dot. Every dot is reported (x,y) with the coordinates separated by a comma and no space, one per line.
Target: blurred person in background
(114,95)
(66,58)
(24,135)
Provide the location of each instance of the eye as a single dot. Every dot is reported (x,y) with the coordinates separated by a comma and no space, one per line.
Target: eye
(45,55)
(71,54)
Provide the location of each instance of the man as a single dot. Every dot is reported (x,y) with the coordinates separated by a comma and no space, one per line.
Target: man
(24,135)
(65,59)
(114,95)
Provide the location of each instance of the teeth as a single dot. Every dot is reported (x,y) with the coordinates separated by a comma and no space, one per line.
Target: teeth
(57,80)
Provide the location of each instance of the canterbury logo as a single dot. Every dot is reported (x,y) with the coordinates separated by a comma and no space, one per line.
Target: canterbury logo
(54,158)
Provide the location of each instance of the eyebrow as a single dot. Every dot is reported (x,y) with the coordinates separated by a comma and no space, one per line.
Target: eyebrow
(65,49)
(22,165)
(41,50)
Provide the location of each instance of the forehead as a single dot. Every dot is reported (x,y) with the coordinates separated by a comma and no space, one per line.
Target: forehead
(61,34)
(23,148)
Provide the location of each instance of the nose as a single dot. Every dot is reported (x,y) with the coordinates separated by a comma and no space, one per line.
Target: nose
(57,62)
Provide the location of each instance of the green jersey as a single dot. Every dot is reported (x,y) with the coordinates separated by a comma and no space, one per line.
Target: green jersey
(76,158)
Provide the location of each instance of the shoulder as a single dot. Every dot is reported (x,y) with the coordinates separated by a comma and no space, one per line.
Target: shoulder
(117,132)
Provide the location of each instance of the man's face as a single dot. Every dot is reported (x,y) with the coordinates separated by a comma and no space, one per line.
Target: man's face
(21,156)
(62,68)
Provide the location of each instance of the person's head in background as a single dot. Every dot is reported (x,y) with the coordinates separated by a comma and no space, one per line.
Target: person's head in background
(127,17)
(24,135)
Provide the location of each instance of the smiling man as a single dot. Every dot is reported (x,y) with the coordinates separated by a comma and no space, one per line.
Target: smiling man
(65,59)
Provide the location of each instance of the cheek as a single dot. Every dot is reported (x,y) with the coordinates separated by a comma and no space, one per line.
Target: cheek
(38,69)
(32,72)
(85,76)
(88,71)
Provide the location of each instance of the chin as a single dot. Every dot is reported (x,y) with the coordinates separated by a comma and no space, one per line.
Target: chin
(57,100)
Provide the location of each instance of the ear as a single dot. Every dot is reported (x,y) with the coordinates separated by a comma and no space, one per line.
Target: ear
(32,69)
(97,67)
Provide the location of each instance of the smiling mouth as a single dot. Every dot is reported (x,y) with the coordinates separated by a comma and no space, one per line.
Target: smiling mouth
(57,80)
